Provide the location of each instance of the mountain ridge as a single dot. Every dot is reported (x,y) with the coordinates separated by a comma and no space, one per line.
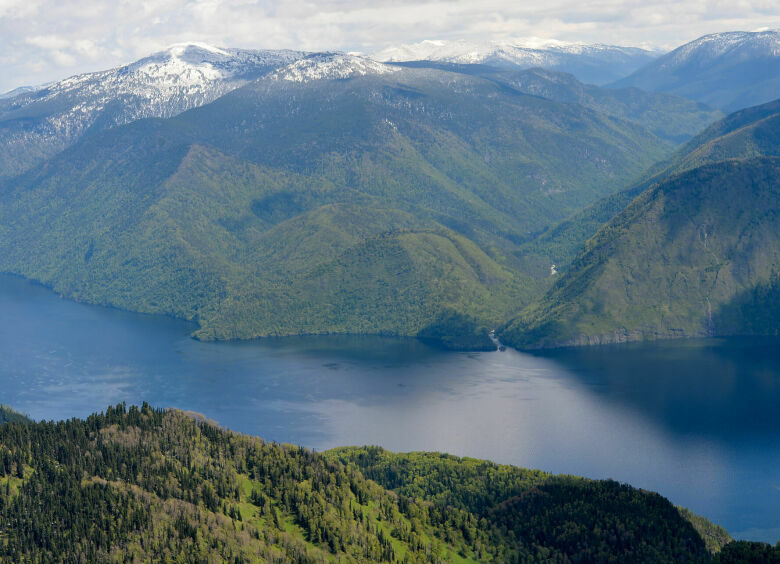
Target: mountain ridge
(730,70)
(150,483)
(681,253)
(37,124)
(597,63)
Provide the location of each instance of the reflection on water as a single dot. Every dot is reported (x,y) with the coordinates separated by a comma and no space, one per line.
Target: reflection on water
(695,420)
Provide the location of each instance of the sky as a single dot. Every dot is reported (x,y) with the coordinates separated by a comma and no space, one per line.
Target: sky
(47,40)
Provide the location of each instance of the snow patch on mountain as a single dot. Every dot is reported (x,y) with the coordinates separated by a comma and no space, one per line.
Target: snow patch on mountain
(181,77)
(164,84)
(521,52)
(331,66)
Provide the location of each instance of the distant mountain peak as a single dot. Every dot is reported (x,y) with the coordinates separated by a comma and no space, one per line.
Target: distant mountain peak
(20,90)
(163,84)
(729,70)
(721,44)
(177,49)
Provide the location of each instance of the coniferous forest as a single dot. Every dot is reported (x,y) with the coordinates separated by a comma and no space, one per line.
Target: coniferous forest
(139,484)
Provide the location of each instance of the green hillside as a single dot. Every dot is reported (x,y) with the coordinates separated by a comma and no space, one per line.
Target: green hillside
(751,132)
(375,204)
(138,484)
(669,117)
(695,255)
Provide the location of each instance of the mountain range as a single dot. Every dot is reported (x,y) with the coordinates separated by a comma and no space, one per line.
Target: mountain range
(282,192)
(334,194)
(672,118)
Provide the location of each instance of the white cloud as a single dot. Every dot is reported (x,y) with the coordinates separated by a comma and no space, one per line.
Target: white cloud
(43,40)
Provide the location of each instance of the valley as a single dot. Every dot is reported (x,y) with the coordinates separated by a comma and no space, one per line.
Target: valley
(660,416)
(454,300)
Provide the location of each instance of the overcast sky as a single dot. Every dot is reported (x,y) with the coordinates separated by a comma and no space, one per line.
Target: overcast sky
(45,40)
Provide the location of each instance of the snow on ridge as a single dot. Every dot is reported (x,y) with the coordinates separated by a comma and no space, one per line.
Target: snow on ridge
(183,76)
(331,66)
(718,44)
(178,48)
(164,84)
(529,50)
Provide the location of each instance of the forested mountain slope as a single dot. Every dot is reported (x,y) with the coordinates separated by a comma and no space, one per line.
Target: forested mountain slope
(751,132)
(669,117)
(140,483)
(695,255)
(333,195)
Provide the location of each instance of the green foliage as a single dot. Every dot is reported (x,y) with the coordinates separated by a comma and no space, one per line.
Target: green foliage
(143,484)
(670,262)
(458,332)
(370,205)
(8,415)
(140,484)
(715,537)
(746,551)
(694,254)
(755,311)
(752,132)
(530,516)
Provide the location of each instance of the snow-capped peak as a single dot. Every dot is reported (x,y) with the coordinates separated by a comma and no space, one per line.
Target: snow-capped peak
(331,66)
(164,84)
(707,47)
(177,49)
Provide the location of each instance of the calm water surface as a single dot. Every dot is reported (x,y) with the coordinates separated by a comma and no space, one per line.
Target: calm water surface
(697,421)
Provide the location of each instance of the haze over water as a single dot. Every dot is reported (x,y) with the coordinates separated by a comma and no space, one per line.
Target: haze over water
(696,421)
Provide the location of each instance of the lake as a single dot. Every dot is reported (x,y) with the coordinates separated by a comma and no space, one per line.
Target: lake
(697,421)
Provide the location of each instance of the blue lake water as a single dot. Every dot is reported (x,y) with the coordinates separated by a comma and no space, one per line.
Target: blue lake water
(697,421)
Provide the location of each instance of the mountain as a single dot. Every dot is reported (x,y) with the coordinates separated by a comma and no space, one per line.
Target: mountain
(18,91)
(672,118)
(335,194)
(747,133)
(596,63)
(37,123)
(146,484)
(729,71)
(695,255)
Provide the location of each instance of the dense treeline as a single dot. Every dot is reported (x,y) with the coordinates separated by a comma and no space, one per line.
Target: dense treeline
(131,484)
(528,513)
(134,484)
(755,552)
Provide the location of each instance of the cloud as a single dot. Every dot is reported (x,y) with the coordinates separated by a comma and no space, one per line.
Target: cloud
(44,40)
